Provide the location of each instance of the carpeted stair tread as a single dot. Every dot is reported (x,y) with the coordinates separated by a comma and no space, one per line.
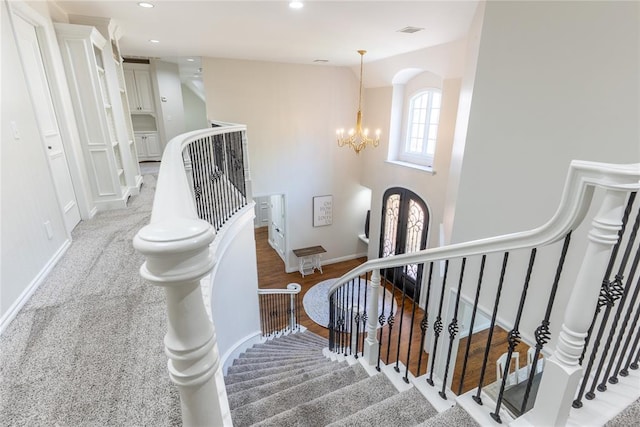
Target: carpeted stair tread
(287,351)
(301,339)
(284,347)
(311,369)
(279,402)
(252,394)
(304,336)
(243,376)
(282,354)
(288,344)
(281,358)
(264,365)
(401,410)
(629,417)
(335,405)
(452,417)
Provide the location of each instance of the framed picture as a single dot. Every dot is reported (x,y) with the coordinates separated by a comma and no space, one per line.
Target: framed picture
(322,211)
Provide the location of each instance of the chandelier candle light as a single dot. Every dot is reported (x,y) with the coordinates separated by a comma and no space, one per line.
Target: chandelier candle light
(358,138)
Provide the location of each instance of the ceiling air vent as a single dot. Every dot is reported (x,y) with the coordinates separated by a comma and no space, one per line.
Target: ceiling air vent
(320,61)
(410,30)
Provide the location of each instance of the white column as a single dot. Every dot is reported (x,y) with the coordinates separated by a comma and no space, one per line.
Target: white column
(177,257)
(371,347)
(562,372)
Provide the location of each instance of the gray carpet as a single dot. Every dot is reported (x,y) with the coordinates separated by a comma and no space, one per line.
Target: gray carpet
(316,394)
(87,348)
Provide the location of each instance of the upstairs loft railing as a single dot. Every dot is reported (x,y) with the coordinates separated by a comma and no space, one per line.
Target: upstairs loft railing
(203,183)
(540,290)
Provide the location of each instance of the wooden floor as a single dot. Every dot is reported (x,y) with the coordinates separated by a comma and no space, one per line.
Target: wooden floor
(272,275)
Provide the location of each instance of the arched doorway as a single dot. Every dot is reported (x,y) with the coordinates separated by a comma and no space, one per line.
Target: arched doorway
(405,223)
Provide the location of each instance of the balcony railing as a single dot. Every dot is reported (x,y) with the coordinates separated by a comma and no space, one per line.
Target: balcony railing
(203,182)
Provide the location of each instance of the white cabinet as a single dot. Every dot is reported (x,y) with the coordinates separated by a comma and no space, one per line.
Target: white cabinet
(148,146)
(138,81)
(90,69)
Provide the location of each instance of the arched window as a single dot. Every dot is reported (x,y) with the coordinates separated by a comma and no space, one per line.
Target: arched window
(422,127)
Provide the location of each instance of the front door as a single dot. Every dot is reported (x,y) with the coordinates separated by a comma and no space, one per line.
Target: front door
(47,120)
(405,222)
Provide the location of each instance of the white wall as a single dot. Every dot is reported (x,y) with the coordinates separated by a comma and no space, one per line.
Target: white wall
(28,195)
(380,175)
(169,104)
(234,296)
(555,81)
(292,113)
(195,110)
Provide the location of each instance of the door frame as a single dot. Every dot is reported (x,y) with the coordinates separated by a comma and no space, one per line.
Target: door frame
(59,90)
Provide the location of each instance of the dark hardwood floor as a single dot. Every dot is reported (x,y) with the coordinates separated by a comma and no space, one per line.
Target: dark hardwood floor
(272,275)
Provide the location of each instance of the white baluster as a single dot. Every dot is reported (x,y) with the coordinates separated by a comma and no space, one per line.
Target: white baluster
(562,372)
(371,347)
(177,257)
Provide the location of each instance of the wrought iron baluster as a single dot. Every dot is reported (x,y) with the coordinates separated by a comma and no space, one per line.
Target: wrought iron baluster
(404,295)
(617,291)
(350,319)
(437,326)
(261,319)
(208,198)
(632,304)
(357,319)
(424,323)
(392,314)
(472,322)
(634,365)
(542,333)
(331,324)
(453,331)
(381,317)
(629,364)
(514,337)
(364,316)
(624,372)
(477,398)
(413,317)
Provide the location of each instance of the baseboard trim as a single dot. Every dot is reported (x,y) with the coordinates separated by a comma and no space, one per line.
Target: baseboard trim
(238,348)
(12,312)
(331,261)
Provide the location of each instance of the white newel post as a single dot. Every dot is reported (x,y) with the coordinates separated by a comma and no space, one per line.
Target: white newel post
(177,257)
(371,347)
(292,304)
(562,372)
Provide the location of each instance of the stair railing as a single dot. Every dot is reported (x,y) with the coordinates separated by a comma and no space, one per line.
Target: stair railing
(279,310)
(487,273)
(203,181)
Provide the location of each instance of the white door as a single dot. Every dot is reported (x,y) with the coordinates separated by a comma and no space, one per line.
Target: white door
(277,223)
(47,121)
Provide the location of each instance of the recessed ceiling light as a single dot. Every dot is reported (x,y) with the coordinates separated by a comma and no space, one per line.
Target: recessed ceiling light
(190,59)
(296,5)
(145,4)
(154,41)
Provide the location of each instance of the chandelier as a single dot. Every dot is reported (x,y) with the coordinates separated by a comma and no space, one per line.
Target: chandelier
(358,138)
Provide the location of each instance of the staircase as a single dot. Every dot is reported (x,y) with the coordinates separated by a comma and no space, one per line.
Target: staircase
(288,381)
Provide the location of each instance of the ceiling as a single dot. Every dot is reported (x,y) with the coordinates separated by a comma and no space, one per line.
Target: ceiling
(271,31)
